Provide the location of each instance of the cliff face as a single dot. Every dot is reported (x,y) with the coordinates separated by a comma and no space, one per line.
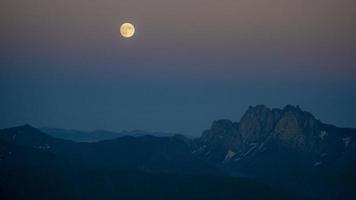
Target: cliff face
(262,128)
(257,123)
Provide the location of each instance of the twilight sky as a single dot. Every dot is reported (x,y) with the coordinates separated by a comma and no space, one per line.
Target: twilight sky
(63,63)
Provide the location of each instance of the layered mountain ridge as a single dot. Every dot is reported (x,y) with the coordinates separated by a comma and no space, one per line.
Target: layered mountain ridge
(97,135)
(290,127)
(287,148)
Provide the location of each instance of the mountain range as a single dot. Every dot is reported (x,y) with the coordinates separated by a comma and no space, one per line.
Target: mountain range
(277,153)
(97,135)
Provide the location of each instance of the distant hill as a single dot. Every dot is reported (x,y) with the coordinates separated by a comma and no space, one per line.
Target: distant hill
(97,135)
(288,149)
(34,165)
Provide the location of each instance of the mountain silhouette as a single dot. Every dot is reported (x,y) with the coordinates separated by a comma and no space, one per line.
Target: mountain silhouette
(97,135)
(287,149)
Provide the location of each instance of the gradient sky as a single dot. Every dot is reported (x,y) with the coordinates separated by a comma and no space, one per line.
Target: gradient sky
(63,63)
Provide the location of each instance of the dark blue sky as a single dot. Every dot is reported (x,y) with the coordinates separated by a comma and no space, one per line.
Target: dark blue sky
(63,64)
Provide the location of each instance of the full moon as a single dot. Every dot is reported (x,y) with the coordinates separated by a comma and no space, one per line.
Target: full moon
(127,30)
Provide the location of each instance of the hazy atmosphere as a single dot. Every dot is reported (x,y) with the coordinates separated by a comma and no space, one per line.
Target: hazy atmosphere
(64,63)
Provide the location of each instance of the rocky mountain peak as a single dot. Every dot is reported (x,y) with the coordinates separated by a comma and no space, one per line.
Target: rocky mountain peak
(298,129)
(258,108)
(292,108)
(220,130)
(257,123)
(290,127)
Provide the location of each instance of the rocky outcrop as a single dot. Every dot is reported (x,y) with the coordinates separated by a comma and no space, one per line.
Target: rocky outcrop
(261,128)
(221,137)
(257,123)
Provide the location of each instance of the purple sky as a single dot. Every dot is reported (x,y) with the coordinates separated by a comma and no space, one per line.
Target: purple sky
(64,64)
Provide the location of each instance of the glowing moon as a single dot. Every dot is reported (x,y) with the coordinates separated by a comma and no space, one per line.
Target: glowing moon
(127,30)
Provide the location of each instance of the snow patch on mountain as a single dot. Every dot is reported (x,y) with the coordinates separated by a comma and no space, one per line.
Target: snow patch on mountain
(253,146)
(323,134)
(230,154)
(347,141)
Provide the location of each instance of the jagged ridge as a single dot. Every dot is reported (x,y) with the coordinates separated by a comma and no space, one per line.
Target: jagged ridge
(260,126)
